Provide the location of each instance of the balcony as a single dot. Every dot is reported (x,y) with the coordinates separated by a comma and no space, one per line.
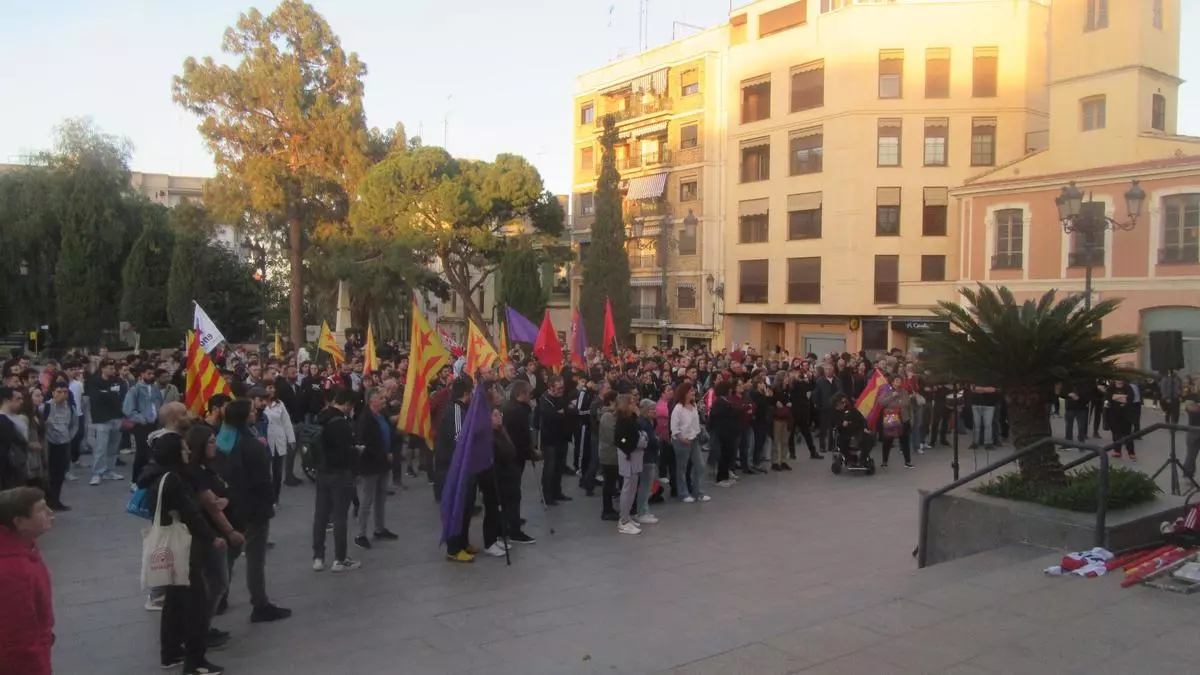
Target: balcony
(1093,258)
(637,108)
(641,261)
(644,312)
(662,158)
(1179,254)
(638,210)
(1008,261)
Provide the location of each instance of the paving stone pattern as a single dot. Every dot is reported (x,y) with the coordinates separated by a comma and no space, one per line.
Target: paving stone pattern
(804,572)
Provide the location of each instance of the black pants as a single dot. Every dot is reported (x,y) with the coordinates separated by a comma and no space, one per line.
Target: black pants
(583,443)
(804,428)
(510,497)
(289,467)
(334,492)
(939,423)
(1135,418)
(610,491)
(277,476)
(728,450)
(1121,426)
(459,542)
(493,525)
(141,448)
(762,430)
(825,428)
(554,455)
(77,442)
(666,465)
(59,460)
(905,449)
(1171,411)
(1097,413)
(184,621)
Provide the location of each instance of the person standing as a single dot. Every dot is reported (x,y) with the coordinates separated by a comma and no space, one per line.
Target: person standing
(374,469)
(75,379)
(14,439)
(824,391)
(61,423)
(27,621)
(1191,405)
(1170,393)
(609,463)
(335,481)
(723,424)
(281,437)
(1120,407)
(984,400)
(448,426)
(554,411)
(631,443)
(1078,395)
(140,407)
(685,438)
(106,398)
(516,416)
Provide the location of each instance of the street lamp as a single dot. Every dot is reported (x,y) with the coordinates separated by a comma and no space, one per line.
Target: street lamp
(1089,220)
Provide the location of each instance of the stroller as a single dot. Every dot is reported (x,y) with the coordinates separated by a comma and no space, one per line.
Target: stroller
(856,459)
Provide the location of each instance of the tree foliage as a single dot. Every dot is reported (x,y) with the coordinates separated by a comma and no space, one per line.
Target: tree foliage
(1025,349)
(285,125)
(520,281)
(147,270)
(30,205)
(606,266)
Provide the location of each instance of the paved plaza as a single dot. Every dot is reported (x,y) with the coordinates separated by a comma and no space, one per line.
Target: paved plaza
(788,573)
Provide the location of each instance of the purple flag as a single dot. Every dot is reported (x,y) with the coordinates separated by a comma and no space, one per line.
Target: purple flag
(520,329)
(472,454)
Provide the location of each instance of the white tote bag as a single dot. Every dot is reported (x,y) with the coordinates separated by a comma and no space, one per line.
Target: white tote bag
(166,550)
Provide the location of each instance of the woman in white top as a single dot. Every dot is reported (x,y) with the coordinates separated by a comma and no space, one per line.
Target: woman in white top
(685,440)
(281,437)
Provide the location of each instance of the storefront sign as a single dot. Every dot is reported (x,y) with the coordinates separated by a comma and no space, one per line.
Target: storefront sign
(918,326)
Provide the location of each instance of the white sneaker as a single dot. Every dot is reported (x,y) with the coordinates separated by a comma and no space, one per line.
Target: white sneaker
(664,480)
(648,519)
(628,527)
(71,477)
(725,483)
(345,565)
(496,550)
(94,481)
(705,498)
(112,476)
(688,500)
(318,565)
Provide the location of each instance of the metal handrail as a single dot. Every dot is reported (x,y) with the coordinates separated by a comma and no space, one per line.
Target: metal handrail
(1094,452)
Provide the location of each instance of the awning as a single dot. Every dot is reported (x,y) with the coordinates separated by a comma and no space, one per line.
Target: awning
(647,187)
(887,196)
(753,207)
(755,143)
(645,283)
(656,128)
(937,196)
(809,201)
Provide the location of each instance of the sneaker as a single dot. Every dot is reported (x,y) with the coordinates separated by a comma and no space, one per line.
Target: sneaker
(205,667)
(724,483)
(522,538)
(215,642)
(921,449)
(909,465)
(688,500)
(664,481)
(785,466)
(883,465)
(318,565)
(610,516)
(346,565)
(94,481)
(461,556)
(71,476)
(648,519)
(113,476)
(386,534)
(1132,457)
(705,498)
(628,527)
(362,542)
(269,612)
(154,604)
(172,663)
(496,550)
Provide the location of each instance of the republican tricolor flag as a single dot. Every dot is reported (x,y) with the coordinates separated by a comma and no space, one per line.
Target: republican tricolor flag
(868,400)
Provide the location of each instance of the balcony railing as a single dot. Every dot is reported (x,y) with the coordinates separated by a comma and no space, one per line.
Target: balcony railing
(644,312)
(1008,261)
(637,108)
(1179,254)
(644,261)
(663,157)
(646,209)
(1093,258)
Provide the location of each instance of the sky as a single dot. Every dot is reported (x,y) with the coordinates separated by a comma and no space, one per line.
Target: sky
(480,76)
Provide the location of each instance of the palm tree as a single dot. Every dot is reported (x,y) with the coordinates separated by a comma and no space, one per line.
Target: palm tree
(1026,349)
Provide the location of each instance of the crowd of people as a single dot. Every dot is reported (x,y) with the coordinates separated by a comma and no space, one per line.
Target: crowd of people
(640,429)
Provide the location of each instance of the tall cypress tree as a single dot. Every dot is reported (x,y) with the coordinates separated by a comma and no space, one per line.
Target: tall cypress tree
(606,265)
(144,279)
(192,227)
(520,282)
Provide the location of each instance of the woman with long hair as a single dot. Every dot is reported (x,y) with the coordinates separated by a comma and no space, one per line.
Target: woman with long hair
(212,494)
(685,440)
(36,467)
(630,451)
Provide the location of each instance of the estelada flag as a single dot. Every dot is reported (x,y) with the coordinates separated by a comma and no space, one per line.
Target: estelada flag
(203,379)
(610,330)
(425,359)
(578,343)
(480,353)
(868,400)
(370,360)
(327,344)
(547,349)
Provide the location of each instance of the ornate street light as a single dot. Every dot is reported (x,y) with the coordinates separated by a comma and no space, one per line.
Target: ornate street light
(1089,220)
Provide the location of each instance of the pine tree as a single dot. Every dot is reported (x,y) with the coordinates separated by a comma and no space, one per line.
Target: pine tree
(520,282)
(606,265)
(147,270)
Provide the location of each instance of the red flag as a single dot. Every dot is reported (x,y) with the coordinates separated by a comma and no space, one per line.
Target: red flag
(547,349)
(610,330)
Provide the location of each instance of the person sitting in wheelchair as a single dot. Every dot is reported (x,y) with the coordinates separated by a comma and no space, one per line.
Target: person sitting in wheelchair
(852,439)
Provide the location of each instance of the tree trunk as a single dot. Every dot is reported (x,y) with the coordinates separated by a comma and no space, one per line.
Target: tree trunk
(1029,422)
(296,293)
(460,283)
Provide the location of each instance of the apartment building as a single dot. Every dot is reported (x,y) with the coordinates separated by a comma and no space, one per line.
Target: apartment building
(170,191)
(668,104)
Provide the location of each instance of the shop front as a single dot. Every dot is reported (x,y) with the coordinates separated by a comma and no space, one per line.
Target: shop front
(907,333)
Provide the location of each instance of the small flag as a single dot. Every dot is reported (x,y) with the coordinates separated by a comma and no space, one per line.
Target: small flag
(868,400)
(546,348)
(610,330)
(327,344)
(278,345)
(520,329)
(578,343)
(503,344)
(210,335)
(203,379)
(480,354)
(370,359)
(425,359)
(472,454)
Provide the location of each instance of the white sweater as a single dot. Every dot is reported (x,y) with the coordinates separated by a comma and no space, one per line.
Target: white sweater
(685,422)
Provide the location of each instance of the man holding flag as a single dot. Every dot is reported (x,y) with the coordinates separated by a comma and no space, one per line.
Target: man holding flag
(470,468)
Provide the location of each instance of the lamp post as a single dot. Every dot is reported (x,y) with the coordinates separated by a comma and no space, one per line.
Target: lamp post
(1089,220)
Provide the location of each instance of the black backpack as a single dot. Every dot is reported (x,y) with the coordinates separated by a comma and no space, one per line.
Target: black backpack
(310,444)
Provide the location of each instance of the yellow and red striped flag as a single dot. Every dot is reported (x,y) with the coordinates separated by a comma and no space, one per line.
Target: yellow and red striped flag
(327,344)
(868,400)
(370,360)
(203,379)
(425,359)
(503,352)
(480,353)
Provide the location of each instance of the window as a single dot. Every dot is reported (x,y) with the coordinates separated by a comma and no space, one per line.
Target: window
(685,297)
(1181,229)
(933,217)
(807,151)
(887,212)
(937,132)
(756,160)
(1093,110)
(587,203)
(1097,15)
(889,142)
(688,190)
(587,114)
(687,239)
(1156,14)
(874,335)
(1010,234)
(1158,112)
(804,216)
(891,73)
(808,86)
(887,279)
(756,99)
(752,281)
(689,136)
(783,18)
(689,82)
(753,220)
(585,159)
(933,268)
(937,72)
(984,72)
(983,141)
(804,280)
(562,280)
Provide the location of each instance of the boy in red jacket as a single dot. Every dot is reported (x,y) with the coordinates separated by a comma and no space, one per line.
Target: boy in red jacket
(27,622)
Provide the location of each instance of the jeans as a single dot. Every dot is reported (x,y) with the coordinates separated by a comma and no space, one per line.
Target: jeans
(104,439)
(372,496)
(645,481)
(984,415)
(588,481)
(629,485)
(685,453)
(745,442)
(760,440)
(1076,418)
(332,504)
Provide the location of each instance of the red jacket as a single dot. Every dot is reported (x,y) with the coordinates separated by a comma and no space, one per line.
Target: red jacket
(27,618)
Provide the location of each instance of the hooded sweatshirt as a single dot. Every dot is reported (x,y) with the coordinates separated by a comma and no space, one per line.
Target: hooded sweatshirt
(27,622)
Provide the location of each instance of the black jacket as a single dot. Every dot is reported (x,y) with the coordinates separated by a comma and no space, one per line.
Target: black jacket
(375,458)
(517,424)
(106,398)
(312,395)
(625,433)
(179,497)
(337,441)
(723,420)
(447,435)
(801,406)
(247,471)
(552,411)
(823,392)
(285,391)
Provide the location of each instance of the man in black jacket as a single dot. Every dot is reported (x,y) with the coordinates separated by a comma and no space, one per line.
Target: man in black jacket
(286,390)
(517,417)
(375,433)
(450,426)
(106,394)
(335,480)
(553,412)
(824,390)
